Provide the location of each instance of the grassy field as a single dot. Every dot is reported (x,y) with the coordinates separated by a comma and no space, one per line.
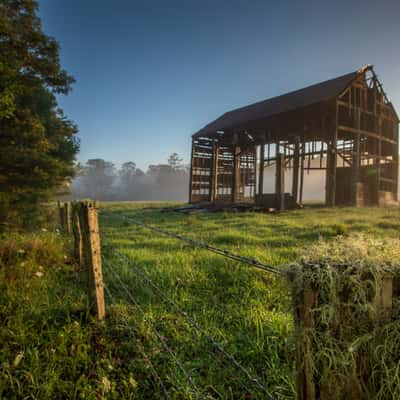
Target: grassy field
(51,348)
(246,310)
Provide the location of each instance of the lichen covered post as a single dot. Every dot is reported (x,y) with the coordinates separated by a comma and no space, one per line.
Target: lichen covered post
(89,225)
(76,231)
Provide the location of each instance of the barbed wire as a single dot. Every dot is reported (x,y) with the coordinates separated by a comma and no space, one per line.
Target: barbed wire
(141,349)
(195,243)
(195,324)
(159,336)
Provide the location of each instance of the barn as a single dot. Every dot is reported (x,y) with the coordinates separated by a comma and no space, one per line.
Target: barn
(345,127)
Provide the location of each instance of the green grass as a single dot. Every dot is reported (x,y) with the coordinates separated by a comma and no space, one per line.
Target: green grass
(247,311)
(51,347)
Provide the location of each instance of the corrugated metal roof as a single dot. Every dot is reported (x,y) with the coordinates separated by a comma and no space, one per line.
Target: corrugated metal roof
(280,104)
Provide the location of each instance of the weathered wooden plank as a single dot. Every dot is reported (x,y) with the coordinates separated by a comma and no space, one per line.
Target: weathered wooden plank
(92,256)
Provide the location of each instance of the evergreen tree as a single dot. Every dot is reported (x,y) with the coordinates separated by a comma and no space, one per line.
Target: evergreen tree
(37,143)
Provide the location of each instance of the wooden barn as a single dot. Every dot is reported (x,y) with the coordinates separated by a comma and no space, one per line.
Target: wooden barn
(345,127)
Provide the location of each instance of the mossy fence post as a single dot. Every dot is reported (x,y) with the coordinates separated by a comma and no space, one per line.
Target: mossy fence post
(304,319)
(61,213)
(64,211)
(67,213)
(306,303)
(76,231)
(87,251)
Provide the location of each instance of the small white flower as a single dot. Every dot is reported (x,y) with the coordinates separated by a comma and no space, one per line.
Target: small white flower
(18,358)
(106,384)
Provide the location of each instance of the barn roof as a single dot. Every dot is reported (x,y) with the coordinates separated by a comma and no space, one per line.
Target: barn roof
(276,105)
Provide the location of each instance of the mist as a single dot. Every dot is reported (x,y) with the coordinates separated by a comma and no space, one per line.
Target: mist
(102,180)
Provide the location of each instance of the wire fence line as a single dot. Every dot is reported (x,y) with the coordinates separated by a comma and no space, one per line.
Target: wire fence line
(169,302)
(155,331)
(141,349)
(195,243)
(191,321)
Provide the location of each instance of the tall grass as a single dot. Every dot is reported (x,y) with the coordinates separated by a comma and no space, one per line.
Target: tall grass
(51,348)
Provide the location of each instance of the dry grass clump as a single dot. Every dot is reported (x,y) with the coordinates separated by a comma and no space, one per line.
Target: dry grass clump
(354,350)
(23,254)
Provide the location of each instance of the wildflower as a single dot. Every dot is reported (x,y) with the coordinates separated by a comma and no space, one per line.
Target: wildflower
(106,384)
(18,358)
(132,382)
(39,274)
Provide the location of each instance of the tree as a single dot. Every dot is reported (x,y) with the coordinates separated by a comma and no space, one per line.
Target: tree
(174,161)
(37,143)
(98,178)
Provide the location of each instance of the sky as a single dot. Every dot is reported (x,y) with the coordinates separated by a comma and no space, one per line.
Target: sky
(151,73)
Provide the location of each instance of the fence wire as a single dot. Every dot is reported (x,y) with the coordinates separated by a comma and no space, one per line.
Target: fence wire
(141,349)
(155,331)
(156,289)
(195,243)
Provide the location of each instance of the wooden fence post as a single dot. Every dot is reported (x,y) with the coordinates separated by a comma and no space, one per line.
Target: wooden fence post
(308,385)
(89,226)
(76,230)
(305,318)
(67,217)
(61,212)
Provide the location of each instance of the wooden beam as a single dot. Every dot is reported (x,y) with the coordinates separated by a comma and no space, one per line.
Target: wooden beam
(191,173)
(356,159)
(236,174)
(214,173)
(365,133)
(301,174)
(330,182)
(261,170)
(296,163)
(280,182)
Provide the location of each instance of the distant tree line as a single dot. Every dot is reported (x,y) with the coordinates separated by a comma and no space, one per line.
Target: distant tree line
(101,180)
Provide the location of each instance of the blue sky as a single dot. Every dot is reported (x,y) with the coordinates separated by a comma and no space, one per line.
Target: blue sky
(151,73)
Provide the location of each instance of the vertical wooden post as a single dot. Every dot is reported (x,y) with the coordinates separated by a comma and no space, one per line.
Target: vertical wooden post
(76,231)
(67,217)
(280,182)
(236,174)
(331,160)
(301,173)
(61,212)
(396,161)
(305,320)
(296,162)
(214,173)
(383,301)
(261,171)
(356,160)
(191,173)
(92,256)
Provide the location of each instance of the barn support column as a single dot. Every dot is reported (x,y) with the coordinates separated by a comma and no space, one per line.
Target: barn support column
(191,173)
(296,162)
(357,198)
(331,162)
(330,188)
(236,174)
(396,161)
(261,170)
(301,173)
(280,181)
(214,173)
